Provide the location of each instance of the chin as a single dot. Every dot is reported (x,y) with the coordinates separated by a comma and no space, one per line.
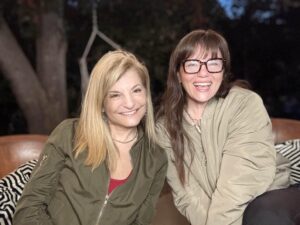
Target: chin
(131,124)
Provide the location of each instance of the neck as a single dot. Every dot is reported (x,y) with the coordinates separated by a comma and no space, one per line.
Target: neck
(194,111)
(125,137)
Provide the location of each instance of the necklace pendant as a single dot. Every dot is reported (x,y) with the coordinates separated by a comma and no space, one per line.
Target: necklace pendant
(198,128)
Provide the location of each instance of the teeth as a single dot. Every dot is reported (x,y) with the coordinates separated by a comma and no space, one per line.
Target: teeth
(202,84)
(129,113)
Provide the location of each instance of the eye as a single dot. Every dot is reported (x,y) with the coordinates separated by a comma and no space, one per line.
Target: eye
(114,95)
(215,62)
(191,64)
(137,90)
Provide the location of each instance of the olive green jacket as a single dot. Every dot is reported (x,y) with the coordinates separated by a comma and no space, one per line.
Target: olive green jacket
(62,190)
(234,160)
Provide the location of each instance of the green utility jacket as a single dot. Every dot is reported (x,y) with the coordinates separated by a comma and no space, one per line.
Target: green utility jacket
(62,190)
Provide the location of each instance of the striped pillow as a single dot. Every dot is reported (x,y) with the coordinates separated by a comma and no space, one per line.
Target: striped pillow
(11,187)
(291,150)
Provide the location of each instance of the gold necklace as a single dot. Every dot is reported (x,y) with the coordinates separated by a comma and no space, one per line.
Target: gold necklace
(194,121)
(126,142)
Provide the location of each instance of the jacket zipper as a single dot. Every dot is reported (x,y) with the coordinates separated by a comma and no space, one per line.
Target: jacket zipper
(104,203)
(102,208)
(44,158)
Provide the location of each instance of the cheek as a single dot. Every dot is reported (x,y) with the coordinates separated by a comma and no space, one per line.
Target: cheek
(219,78)
(109,106)
(184,79)
(186,83)
(142,98)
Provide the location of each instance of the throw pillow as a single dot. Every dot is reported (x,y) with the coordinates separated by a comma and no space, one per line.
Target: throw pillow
(291,150)
(11,187)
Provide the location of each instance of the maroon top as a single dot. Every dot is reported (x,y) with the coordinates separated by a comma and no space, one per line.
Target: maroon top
(115,183)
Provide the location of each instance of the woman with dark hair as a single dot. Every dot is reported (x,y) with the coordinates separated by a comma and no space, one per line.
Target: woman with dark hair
(218,137)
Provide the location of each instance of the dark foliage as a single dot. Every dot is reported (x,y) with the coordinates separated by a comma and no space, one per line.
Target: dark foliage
(263,36)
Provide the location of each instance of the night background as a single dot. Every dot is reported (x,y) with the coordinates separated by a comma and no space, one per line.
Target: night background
(41,43)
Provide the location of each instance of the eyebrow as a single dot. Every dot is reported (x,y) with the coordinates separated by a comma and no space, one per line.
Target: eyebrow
(135,86)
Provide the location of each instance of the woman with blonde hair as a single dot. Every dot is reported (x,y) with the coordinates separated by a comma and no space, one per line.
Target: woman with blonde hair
(105,167)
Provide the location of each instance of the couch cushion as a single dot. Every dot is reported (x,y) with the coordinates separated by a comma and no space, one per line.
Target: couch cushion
(291,150)
(11,187)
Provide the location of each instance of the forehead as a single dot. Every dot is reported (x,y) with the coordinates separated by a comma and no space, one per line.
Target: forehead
(204,53)
(127,80)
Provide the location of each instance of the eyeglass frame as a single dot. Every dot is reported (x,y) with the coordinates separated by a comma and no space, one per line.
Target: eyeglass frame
(203,63)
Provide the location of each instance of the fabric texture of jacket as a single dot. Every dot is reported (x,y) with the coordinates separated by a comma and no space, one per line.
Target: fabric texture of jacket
(234,160)
(62,190)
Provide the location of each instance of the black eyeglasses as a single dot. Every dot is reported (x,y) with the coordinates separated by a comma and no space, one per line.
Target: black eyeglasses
(192,66)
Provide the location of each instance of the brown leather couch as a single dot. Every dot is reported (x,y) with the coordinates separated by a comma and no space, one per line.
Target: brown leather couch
(18,149)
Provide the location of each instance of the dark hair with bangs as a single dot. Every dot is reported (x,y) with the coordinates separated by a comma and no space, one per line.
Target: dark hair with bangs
(210,41)
(174,98)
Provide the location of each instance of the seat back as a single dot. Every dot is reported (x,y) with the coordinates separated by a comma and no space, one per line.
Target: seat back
(18,149)
(285,129)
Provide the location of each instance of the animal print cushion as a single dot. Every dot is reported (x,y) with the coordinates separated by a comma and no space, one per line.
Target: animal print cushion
(291,150)
(11,187)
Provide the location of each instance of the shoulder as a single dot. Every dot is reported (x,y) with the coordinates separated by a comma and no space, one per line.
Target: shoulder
(64,132)
(242,105)
(240,98)
(160,127)
(163,136)
(160,158)
(242,94)
(158,153)
(154,154)
(67,124)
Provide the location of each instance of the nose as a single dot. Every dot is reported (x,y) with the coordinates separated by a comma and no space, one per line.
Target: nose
(203,71)
(129,101)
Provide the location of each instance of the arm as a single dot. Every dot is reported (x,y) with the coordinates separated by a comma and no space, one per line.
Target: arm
(147,209)
(32,206)
(192,206)
(248,163)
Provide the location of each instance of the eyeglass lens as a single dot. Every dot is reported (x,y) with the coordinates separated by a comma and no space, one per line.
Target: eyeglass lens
(212,65)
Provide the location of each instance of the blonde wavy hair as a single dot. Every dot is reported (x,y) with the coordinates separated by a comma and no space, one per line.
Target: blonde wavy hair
(92,133)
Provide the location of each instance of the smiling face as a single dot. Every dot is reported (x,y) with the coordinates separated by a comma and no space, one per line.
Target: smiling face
(202,86)
(125,102)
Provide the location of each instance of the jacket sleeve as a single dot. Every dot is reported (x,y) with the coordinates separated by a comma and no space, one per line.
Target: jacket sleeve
(32,206)
(248,162)
(188,204)
(147,209)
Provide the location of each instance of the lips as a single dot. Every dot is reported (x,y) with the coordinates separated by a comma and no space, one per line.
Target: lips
(129,113)
(132,112)
(202,84)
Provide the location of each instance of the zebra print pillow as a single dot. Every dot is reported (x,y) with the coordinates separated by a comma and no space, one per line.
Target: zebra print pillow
(11,187)
(291,150)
